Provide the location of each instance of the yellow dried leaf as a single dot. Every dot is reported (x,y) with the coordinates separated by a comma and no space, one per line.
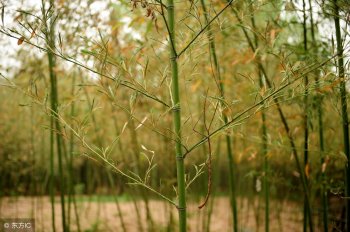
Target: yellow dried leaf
(195,86)
(32,34)
(226,112)
(324,165)
(263,91)
(307,170)
(252,156)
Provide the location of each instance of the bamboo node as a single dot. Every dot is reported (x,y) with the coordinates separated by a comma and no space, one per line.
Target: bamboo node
(176,108)
(180,157)
(173,58)
(181,208)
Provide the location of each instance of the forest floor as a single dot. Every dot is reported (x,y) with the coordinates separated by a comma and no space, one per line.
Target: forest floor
(102,215)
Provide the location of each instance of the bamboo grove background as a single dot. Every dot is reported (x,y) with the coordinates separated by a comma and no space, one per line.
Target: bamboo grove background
(179,102)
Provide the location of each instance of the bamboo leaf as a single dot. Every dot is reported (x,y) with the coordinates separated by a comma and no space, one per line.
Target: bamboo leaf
(20,40)
(141,123)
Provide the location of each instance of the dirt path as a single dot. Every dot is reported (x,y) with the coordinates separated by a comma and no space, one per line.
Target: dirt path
(103,216)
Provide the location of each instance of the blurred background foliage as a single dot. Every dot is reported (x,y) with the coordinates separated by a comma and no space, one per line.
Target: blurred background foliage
(101,46)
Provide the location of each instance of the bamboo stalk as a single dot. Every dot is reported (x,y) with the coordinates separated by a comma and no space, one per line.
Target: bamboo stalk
(71,192)
(305,117)
(227,137)
(52,175)
(138,214)
(344,111)
(54,105)
(266,183)
(180,167)
(323,175)
(50,39)
(266,169)
(70,157)
(120,214)
(112,182)
(320,131)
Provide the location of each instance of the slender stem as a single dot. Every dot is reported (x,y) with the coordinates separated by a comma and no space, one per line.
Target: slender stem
(266,170)
(216,179)
(120,214)
(52,154)
(71,193)
(232,183)
(228,138)
(320,130)
(344,111)
(180,167)
(296,158)
(50,37)
(52,174)
(70,158)
(306,126)
(323,175)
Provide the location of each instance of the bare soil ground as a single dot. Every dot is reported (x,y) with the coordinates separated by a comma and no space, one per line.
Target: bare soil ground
(103,216)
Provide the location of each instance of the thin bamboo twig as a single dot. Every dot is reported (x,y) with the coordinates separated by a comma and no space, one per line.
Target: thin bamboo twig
(71,60)
(102,157)
(255,105)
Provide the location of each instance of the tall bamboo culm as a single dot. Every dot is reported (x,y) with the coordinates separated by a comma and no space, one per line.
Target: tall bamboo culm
(344,111)
(320,129)
(52,174)
(180,167)
(306,116)
(50,40)
(52,147)
(71,181)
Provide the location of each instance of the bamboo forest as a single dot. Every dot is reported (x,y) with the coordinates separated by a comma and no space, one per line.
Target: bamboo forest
(174,115)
